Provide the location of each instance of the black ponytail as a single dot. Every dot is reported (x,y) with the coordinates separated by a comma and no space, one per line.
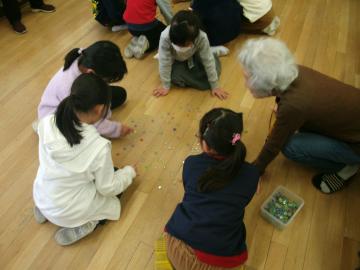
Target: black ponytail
(67,121)
(71,57)
(218,128)
(103,57)
(87,91)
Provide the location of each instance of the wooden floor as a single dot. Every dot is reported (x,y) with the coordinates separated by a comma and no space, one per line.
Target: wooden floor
(323,34)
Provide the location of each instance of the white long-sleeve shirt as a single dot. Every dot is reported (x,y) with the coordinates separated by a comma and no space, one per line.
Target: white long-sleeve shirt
(75,185)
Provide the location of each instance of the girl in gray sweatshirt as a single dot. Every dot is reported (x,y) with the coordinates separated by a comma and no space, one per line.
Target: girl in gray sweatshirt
(185,58)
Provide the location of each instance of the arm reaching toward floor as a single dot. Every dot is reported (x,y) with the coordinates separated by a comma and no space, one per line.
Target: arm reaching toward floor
(108,182)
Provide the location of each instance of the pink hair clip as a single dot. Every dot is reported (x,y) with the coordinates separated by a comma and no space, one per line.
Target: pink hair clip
(80,51)
(236,137)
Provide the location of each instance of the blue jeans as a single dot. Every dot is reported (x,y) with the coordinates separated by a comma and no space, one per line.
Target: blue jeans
(320,152)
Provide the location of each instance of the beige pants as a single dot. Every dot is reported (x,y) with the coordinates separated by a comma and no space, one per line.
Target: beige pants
(182,256)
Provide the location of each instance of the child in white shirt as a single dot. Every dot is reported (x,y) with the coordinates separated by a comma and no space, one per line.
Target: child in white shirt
(76,186)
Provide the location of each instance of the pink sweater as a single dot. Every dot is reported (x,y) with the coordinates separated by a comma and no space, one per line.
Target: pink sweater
(59,88)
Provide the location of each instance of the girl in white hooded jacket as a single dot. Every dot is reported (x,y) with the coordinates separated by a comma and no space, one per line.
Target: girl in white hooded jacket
(76,185)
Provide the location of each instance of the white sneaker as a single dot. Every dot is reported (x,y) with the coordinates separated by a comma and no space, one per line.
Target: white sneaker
(39,217)
(219,50)
(141,46)
(68,236)
(129,49)
(117,28)
(272,27)
(156,56)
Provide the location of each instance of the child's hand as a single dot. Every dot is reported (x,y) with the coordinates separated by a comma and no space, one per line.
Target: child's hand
(275,108)
(135,167)
(160,91)
(258,187)
(220,93)
(125,130)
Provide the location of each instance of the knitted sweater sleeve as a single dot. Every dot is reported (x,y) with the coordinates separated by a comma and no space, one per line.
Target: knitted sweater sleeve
(288,121)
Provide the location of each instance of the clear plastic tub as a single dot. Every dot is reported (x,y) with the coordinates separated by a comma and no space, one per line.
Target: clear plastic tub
(279,224)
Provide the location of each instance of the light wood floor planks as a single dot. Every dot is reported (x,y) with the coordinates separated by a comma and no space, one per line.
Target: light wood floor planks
(322,34)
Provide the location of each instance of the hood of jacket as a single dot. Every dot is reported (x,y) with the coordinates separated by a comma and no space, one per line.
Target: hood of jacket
(56,147)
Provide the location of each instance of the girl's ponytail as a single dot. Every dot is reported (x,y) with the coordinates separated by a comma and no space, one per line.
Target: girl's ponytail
(220,129)
(67,121)
(71,57)
(87,91)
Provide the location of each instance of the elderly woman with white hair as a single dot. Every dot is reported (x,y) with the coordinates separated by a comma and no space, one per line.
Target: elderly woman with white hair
(317,119)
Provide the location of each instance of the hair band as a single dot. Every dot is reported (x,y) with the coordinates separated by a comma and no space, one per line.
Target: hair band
(236,137)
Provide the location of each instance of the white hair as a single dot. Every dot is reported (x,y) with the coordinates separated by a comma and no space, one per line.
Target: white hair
(269,65)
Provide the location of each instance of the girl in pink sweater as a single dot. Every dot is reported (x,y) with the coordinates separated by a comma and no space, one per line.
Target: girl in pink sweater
(102,58)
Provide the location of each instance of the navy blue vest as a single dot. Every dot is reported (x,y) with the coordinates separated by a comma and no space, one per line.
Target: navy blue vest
(212,222)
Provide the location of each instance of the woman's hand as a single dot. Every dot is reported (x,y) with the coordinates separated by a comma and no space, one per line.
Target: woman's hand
(160,91)
(220,93)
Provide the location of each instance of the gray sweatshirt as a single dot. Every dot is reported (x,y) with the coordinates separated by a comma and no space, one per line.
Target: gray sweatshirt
(167,56)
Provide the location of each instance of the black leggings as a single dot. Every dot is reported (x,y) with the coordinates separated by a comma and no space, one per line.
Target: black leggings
(221,19)
(12,9)
(152,35)
(110,12)
(118,96)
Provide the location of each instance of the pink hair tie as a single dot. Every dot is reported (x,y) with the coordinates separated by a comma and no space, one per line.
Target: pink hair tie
(236,137)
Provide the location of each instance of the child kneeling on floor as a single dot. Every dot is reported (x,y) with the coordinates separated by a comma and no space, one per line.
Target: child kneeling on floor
(206,230)
(185,58)
(76,186)
(102,58)
(140,16)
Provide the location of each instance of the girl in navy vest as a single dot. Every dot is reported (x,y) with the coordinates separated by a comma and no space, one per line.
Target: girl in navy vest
(206,230)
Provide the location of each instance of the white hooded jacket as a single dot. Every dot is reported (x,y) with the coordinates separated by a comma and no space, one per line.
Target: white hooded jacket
(75,185)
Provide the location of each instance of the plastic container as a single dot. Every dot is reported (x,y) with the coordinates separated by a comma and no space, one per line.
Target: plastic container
(279,224)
